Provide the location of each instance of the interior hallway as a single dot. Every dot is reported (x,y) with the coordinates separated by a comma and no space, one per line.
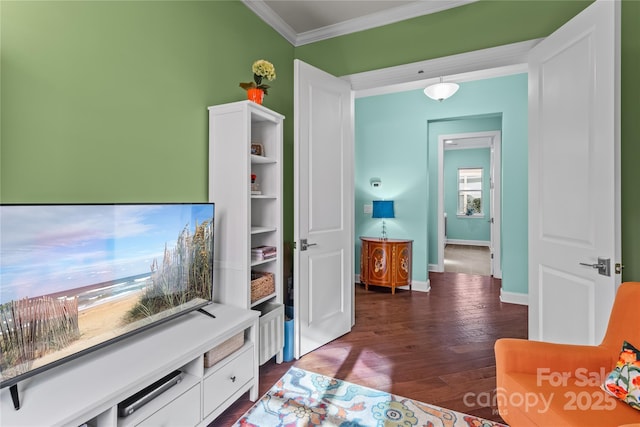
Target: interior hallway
(467,259)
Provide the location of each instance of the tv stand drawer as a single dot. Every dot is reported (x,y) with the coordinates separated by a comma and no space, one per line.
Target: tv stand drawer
(228,378)
(183,411)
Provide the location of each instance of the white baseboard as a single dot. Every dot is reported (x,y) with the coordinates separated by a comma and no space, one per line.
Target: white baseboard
(420,286)
(514,298)
(434,268)
(469,242)
(416,285)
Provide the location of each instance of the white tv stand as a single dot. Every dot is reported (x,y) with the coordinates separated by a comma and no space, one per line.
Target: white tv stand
(88,389)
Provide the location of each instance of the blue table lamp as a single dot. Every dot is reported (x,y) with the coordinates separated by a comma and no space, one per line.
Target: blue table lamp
(383,209)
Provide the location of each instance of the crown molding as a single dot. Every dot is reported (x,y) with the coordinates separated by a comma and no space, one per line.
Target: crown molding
(389,16)
(264,12)
(481,64)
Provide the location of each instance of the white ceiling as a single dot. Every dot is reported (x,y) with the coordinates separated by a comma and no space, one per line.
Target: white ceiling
(306,21)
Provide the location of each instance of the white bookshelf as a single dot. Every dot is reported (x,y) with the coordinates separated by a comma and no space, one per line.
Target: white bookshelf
(245,220)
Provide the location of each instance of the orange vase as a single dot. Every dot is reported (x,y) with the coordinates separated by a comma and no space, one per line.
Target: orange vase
(255,95)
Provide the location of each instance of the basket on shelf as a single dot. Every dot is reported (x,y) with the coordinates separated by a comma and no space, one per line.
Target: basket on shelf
(221,351)
(262,285)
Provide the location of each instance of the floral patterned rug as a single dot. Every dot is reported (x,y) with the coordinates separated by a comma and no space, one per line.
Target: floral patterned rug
(302,398)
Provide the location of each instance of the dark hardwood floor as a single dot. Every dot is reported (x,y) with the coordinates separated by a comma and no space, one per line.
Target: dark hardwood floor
(434,347)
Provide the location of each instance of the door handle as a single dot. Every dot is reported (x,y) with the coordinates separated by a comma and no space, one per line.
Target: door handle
(592,265)
(603,266)
(304,245)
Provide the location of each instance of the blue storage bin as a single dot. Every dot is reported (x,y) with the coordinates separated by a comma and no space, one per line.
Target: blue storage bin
(288,334)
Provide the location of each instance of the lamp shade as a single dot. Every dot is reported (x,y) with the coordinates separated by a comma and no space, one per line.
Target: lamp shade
(383,209)
(440,91)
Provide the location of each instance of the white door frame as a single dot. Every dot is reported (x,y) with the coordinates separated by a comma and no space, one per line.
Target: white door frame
(495,144)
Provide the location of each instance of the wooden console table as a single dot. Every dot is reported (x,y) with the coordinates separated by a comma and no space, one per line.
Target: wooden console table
(385,262)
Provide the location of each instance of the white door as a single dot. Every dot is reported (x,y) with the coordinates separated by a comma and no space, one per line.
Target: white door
(574,203)
(323,208)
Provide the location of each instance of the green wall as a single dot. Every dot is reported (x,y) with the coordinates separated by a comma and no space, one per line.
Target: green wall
(478,25)
(462,227)
(630,111)
(106,100)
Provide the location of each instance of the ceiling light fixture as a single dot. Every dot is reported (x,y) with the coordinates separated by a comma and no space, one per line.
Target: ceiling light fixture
(441,91)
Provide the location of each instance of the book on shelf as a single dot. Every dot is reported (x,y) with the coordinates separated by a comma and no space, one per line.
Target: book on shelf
(263,252)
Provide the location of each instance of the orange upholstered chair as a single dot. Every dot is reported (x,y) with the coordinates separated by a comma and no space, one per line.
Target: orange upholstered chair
(546,384)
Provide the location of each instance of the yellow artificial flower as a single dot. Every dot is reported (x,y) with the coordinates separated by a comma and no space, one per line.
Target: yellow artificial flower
(264,69)
(261,69)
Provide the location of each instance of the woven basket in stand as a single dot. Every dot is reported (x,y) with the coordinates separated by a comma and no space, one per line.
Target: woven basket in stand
(262,285)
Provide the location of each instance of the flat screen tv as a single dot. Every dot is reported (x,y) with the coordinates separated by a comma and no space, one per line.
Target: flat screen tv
(77,277)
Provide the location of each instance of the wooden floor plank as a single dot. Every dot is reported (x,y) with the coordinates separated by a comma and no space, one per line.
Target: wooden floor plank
(435,347)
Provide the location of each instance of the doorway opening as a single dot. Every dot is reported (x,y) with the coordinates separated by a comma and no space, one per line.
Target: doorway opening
(469,203)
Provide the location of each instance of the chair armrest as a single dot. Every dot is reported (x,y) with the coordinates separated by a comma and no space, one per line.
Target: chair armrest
(535,357)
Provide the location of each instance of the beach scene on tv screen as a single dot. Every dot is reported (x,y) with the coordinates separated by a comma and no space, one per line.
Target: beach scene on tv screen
(76,276)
